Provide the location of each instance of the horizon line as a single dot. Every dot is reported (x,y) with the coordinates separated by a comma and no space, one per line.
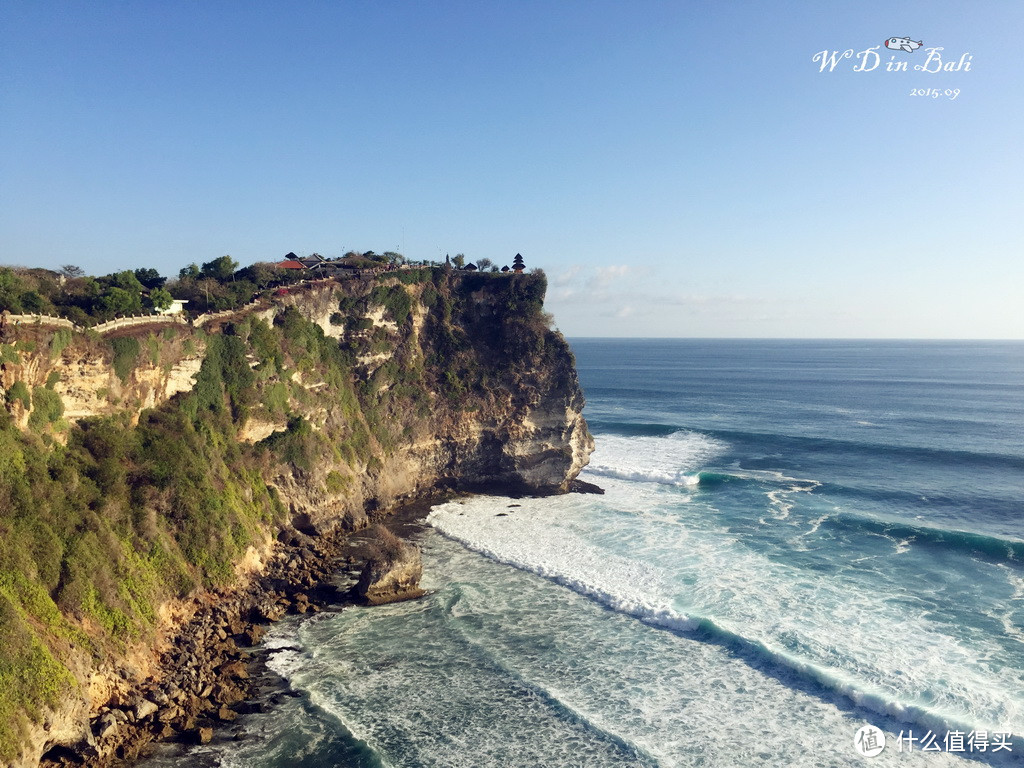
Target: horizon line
(793,338)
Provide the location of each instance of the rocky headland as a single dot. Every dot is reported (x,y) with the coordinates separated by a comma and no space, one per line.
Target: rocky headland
(169,492)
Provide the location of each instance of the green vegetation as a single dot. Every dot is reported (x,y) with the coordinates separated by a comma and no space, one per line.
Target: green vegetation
(336,482)
(395,299)
(19,393)
(94,534)
(126,355)
(47,408)
(59,342)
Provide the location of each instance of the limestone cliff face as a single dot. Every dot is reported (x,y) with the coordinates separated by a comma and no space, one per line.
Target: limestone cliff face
(84,376)
(346,397)
(516,426)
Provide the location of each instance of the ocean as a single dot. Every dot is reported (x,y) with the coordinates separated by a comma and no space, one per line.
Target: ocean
(798,540)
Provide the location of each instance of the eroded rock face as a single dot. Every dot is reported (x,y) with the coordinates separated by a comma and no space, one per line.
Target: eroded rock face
(392,577)
(552,443)
(531,439)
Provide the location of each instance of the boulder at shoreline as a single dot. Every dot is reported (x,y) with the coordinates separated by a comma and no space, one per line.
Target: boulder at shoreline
(392,572)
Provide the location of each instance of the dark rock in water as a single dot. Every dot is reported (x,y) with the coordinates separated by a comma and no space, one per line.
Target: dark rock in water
(250,707)
(502,514)
(582,486)
(392,573)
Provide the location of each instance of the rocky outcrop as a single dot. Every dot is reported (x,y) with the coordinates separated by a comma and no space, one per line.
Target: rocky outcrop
(392,572)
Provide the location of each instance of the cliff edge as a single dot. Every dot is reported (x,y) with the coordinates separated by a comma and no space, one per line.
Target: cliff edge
(144,473)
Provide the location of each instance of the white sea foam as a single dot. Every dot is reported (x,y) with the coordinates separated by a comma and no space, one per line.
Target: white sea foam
(671,460)
(501,670)
(846,638)
(553,659)
(418,694)
(1010,613)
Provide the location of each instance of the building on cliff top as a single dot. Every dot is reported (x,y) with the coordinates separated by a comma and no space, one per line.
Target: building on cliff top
(176,307)
(290,261)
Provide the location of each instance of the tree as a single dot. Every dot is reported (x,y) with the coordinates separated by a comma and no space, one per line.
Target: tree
(150,278)
(126,280)
(71,271)
(160,299)
(459,261)
(118,301)
(91,287)
(191,271)
(32,302)
(11,289)
(394,257)
(262,274)
(220,269)
(483,264)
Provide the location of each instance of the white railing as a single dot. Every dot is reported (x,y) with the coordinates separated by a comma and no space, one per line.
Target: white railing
(181,319)
(126,322)
(60,322)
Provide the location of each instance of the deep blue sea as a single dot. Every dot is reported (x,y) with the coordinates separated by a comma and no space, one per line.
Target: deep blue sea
(797,539)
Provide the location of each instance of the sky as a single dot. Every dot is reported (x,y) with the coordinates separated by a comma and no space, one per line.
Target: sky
(678,169)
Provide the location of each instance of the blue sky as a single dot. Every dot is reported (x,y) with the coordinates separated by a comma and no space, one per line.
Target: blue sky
(678,169)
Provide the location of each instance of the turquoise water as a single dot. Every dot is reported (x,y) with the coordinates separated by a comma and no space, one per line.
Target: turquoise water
(797,539)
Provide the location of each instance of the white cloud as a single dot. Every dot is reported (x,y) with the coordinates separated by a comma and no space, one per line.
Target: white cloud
(568,277)
(606,276)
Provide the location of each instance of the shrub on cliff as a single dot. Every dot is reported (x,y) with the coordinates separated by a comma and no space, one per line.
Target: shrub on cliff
(47,408)
(382,544)
(395,300)
(30,676)
(126,355)
(296,445)
(18,392)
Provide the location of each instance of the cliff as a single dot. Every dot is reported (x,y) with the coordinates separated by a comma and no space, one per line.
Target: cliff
(144,470)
